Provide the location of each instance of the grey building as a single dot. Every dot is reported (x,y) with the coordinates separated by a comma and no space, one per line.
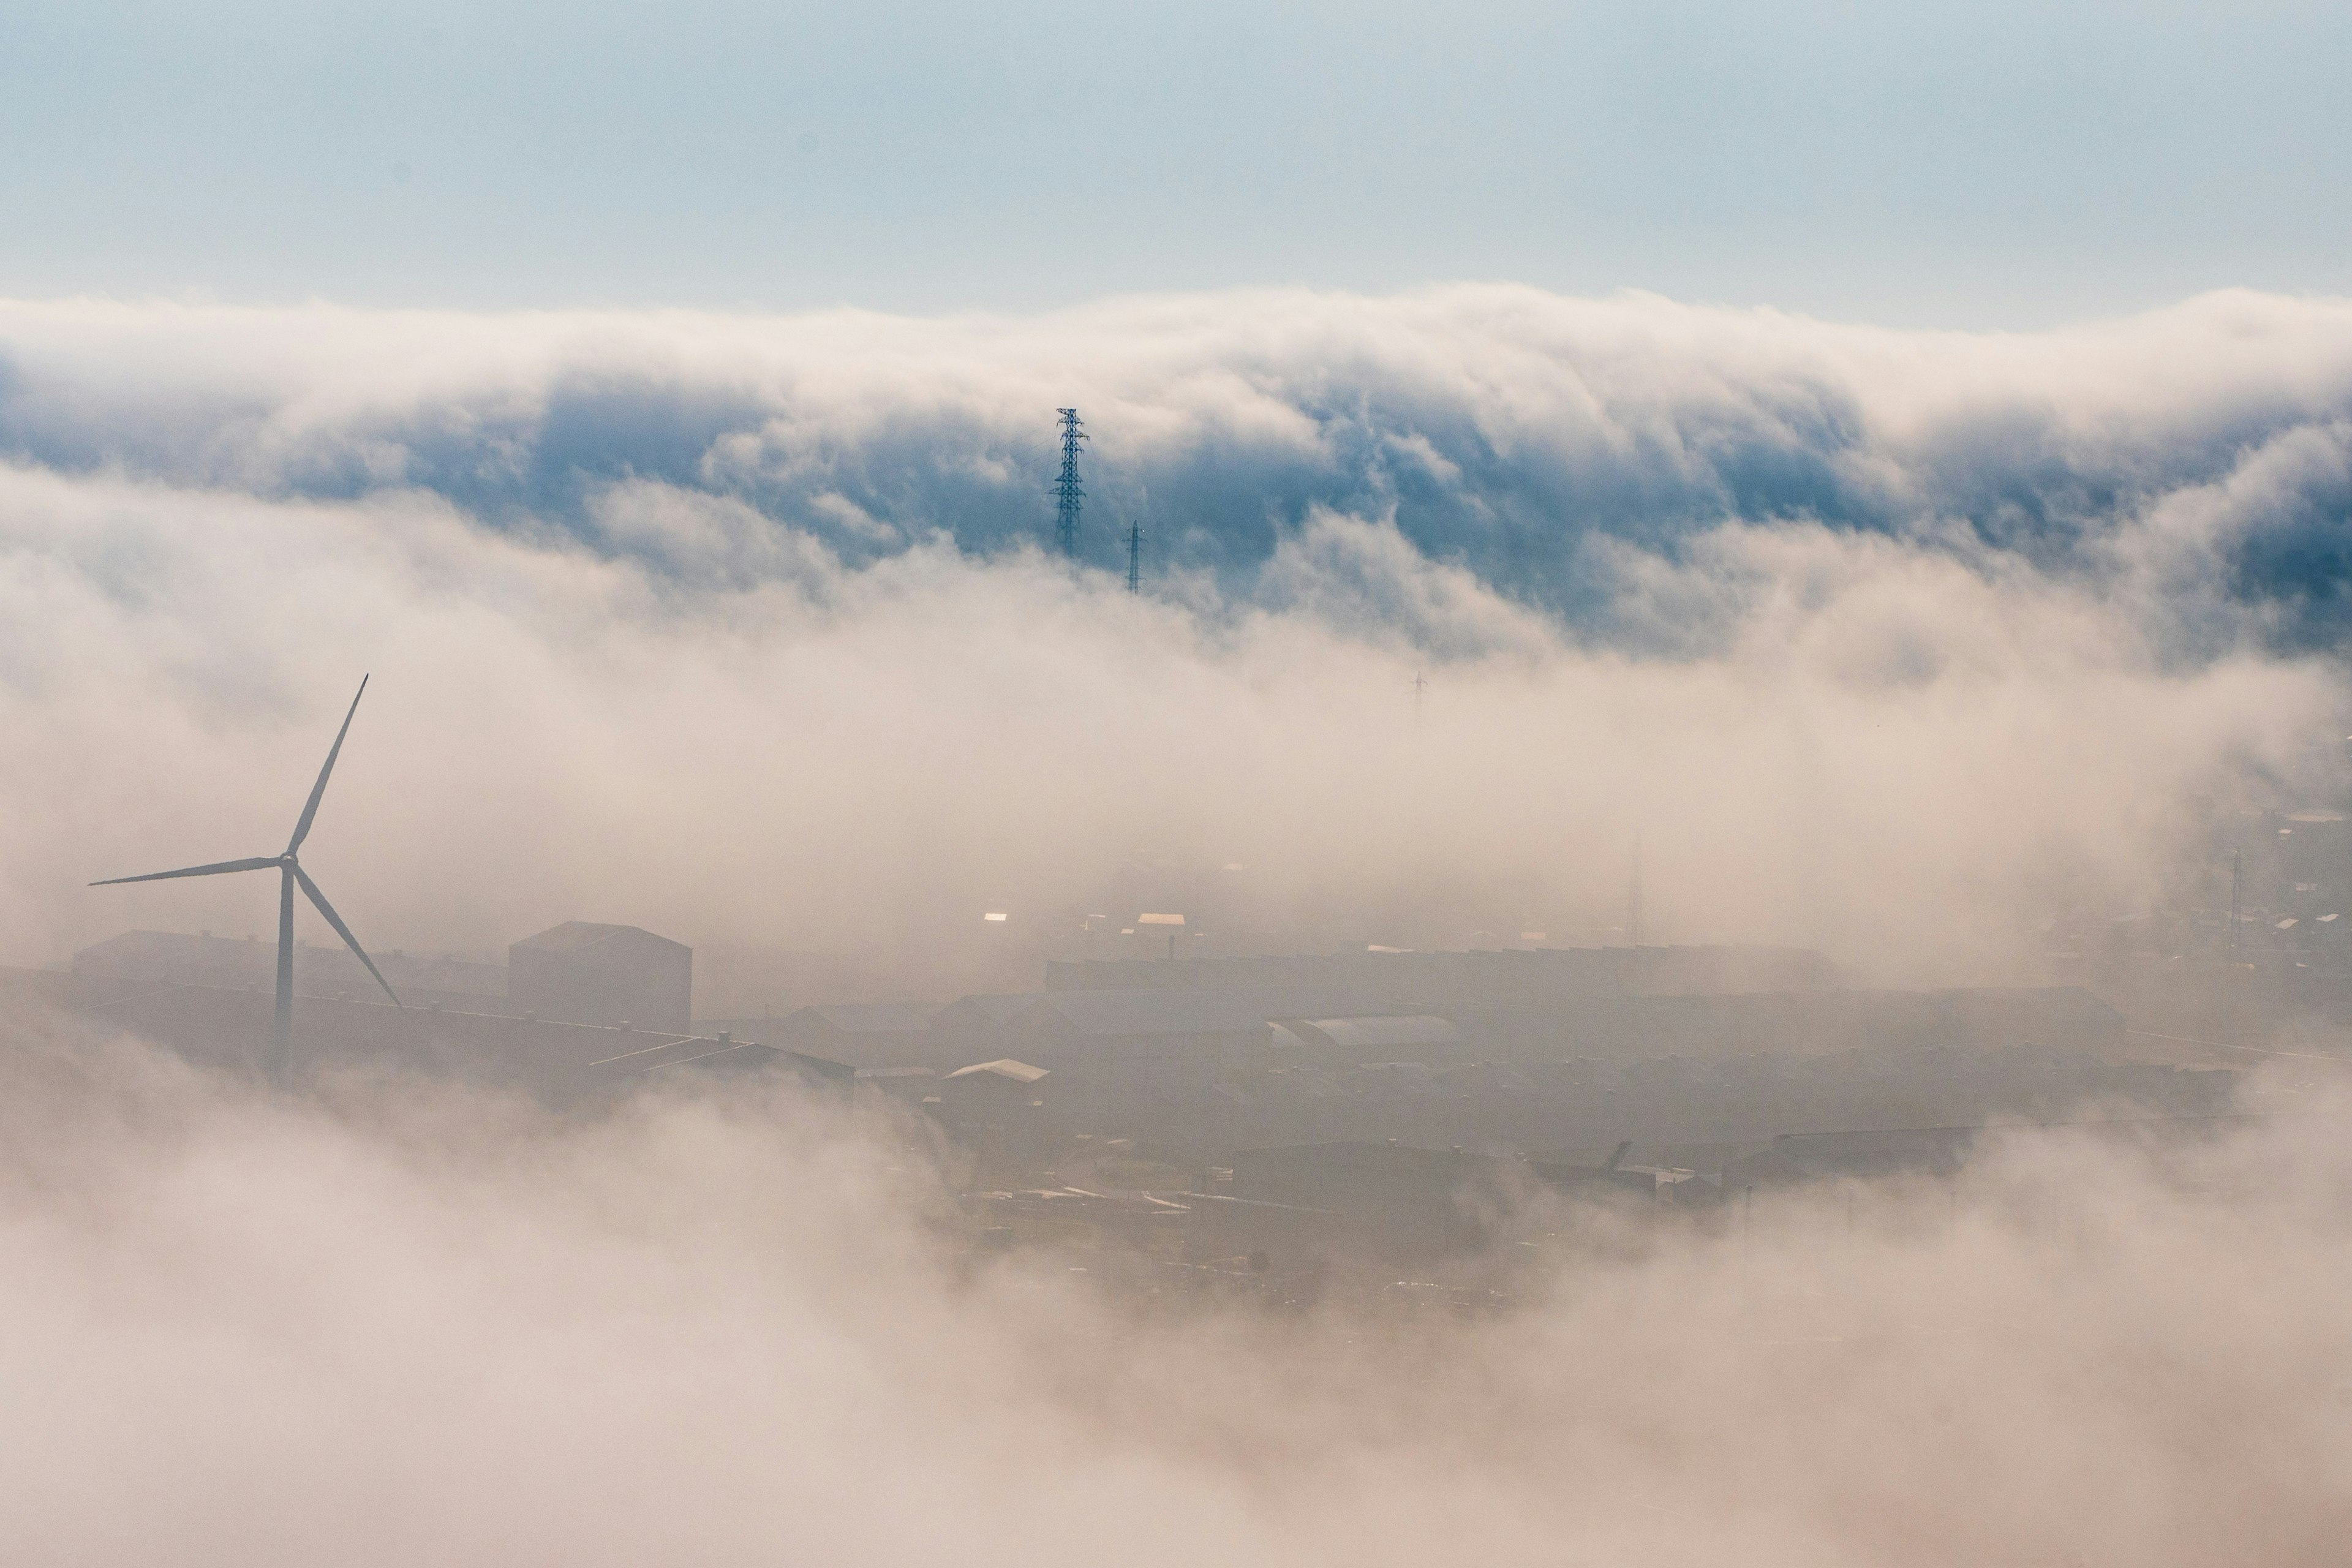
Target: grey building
(976,1029)
(584,973)
(1348,1041)
(1382,982)
(863,1034)
(137,959)
(1145,1040)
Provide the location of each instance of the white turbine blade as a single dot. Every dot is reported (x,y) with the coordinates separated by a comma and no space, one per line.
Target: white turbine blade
(310,809)
(218,868)
(311,889)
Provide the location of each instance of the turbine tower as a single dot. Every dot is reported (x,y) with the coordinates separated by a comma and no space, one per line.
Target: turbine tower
(1068,492)
(289,875)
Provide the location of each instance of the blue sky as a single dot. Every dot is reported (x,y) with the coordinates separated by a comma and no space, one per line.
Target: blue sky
(1932,163)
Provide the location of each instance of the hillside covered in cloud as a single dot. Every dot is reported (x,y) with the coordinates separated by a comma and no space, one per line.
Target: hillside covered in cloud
(740,629)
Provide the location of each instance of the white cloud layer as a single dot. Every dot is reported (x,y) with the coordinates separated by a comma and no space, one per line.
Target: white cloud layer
(1888,642)
(729,626)
(1501,426)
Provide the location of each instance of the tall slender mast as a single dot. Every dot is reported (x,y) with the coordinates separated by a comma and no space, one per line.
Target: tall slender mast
(2234,858)
(1633,897)
(1068,492)
(1135,555)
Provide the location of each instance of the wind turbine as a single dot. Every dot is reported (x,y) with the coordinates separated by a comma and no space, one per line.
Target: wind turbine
(289,874)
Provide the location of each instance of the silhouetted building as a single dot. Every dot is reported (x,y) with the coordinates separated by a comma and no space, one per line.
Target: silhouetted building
(863,1034)
(583,973)
(143,958)
(1370,982)
(1145,1040)
(974,1028)
(1379,1039)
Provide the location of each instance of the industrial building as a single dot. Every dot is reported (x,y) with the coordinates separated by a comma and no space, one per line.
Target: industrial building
(138,958)
(1145,1041)
(1372,981)
(569,999)
(863,1035)
(584,973)
(1313,1111)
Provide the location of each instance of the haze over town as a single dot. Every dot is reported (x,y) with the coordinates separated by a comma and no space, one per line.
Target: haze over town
(1249,905)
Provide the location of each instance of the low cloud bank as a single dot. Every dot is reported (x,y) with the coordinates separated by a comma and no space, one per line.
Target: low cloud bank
(393,1325)
(2197,458)
(1893,642)
(1896,643)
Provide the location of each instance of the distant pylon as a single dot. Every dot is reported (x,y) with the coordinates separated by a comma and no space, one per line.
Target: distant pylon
(1135,555)
(1068,492)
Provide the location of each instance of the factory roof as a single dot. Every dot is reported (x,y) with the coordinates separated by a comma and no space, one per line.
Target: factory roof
(1181,1012)
(986,1010)
(865,1018)
(1375,1035)
(578,936)
(1004,1068)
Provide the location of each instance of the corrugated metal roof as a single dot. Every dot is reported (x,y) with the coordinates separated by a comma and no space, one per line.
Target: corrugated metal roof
(1004,1067)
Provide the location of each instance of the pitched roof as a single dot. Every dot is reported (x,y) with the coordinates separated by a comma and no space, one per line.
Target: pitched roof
(1004,1067)
(578,936)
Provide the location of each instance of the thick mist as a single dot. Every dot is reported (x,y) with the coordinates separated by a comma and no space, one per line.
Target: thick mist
(1892,643)
(392,1324)
(1899,644)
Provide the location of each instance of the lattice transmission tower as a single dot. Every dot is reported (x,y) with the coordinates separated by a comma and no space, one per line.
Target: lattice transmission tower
(1135,555)
(1067,492)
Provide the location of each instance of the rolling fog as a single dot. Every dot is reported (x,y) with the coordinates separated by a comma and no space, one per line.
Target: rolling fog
(736,628)
(386,1326)
(1896,644)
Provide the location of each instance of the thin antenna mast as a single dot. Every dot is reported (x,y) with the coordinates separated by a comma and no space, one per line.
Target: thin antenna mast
(1068,492)
(1633,896)
(1135,555)
(2234,859)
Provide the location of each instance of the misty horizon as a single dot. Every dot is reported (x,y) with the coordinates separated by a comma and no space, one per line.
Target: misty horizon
(1926,660)
(1227,785)
(1787,544)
